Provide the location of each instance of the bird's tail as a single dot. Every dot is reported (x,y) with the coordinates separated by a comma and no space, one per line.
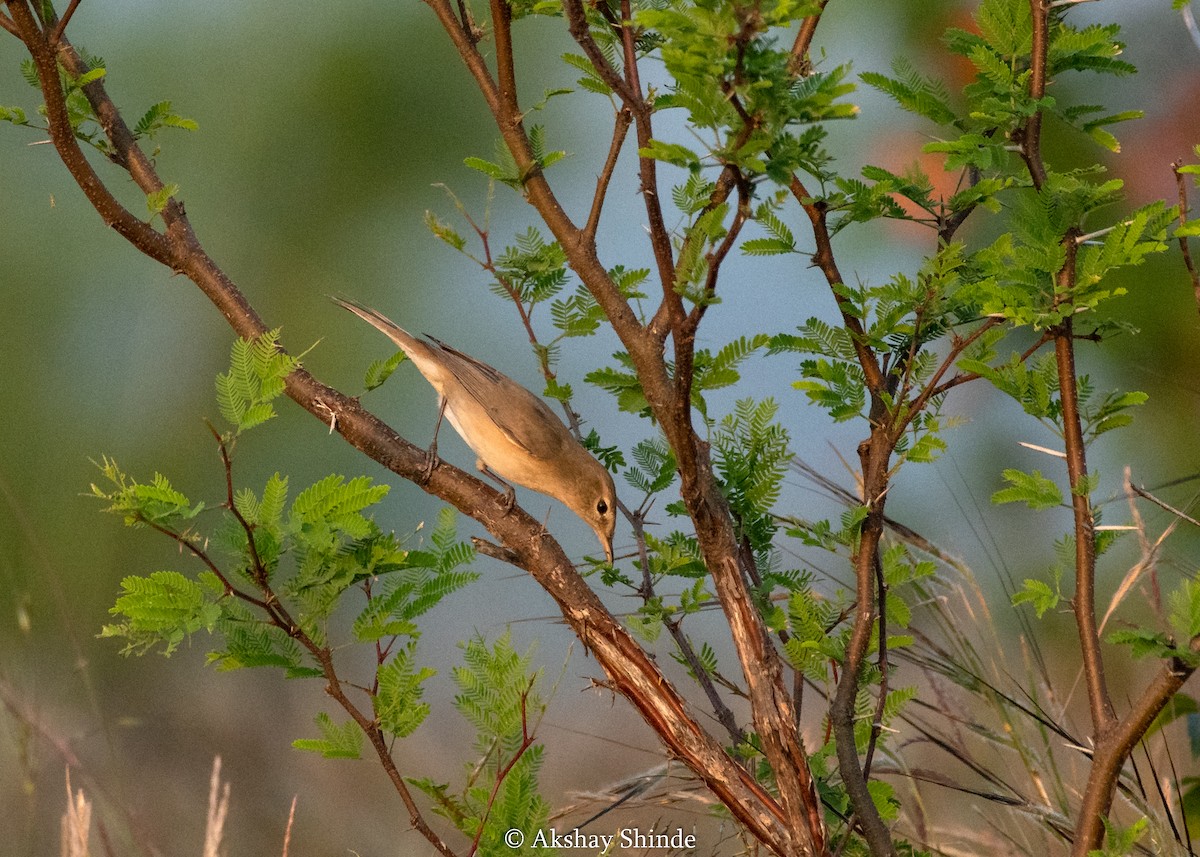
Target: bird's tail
(380,322)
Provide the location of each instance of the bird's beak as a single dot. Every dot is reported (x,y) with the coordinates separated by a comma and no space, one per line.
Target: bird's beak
(607,545)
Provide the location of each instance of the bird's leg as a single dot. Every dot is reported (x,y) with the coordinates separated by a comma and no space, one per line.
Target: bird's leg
(431,456)
(510,496)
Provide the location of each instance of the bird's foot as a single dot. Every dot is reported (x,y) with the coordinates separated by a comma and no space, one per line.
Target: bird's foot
(431,463)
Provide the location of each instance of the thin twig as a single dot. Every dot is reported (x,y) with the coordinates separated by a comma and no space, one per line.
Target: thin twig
(527,739)
(881,703)
(1181,184)
(1146,495)
(620,132)
(63,21)
(1030,138)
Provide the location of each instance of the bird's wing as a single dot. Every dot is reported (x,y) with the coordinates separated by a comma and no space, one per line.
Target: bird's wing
(542,436)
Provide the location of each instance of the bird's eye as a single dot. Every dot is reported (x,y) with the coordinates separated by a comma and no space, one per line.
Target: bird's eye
(602,508)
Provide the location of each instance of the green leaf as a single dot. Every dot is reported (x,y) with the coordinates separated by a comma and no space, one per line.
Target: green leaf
(1185,609)
(336,742)
(164,608)
(914,92)
(1033,489)
(91,76)
(257,369)
(161,116)
(157,201)
(380,370)
(398,702)
(1039,594)
(591,80)
(444,231)
(1143,642)
(671,153)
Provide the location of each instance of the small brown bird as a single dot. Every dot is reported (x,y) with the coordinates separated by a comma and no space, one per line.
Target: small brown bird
(512,431)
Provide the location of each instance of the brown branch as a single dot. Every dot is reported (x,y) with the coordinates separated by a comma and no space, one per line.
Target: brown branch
(63,21)
(370,727)
(111,211)
(1181,184)
(6,23)
(1183,516)
(684,335)
(1030,137)
(465,44)
(874,454)
(881,702)
(1100,704)
(710,515)
(1084,602)
(184,542)
(817,213)
(620,132)
(506,74)
(948,226)
(628,89)
(965,377)
(1114,748)
(577,26)
(278,616)
(718,256)
(581,254)
(799,63)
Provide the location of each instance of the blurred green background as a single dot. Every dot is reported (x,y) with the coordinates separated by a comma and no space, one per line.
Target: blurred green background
(323,131)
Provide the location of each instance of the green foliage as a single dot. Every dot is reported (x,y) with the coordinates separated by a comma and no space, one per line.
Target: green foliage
(160,116)
(336,742)
(610,456)
(591,80)
(505,170)
(1040,594)
(1033,489)
(164,607)
(495,692)
(397,700)
(155,503)
(497,695)
(751,456)
(1120,841)
(532,268)
(914,92)
(84,123)
(654,468)
(715,371)
(781,241)
(257,372)
(380,370)
(415,583)
(720,61)
(273,574)
(157,201)
(622,383)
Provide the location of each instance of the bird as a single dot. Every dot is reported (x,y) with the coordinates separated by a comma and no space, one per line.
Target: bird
(514,434)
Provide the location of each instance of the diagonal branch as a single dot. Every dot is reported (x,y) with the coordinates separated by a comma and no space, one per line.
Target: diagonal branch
(620,132)
(799,63)
(629,669)
(1184,249)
